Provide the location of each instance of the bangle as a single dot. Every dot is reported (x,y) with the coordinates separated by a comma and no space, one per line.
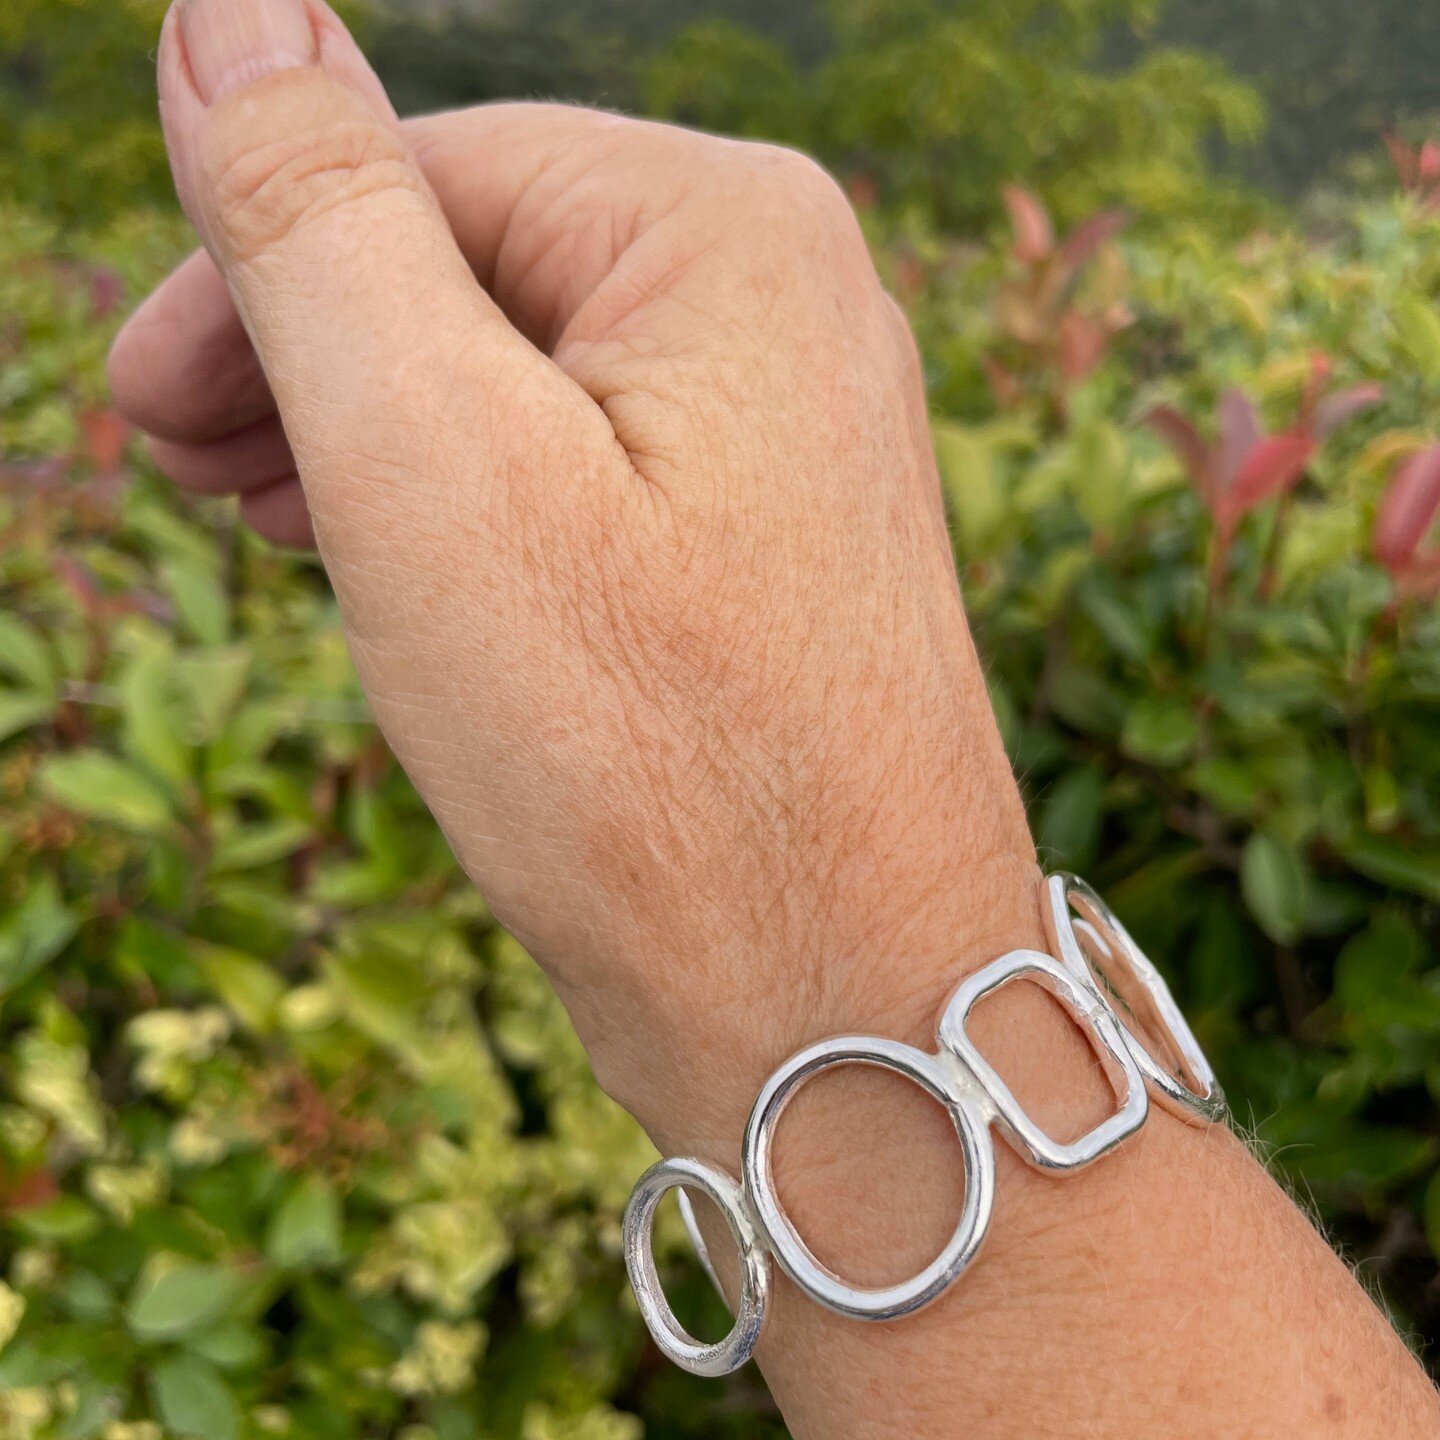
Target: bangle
(1115,996)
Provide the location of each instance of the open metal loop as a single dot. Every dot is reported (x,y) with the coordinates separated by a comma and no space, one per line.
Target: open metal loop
(1096,948)
(1115,996)
(674,1341)
(1099,1025)
(947,1084)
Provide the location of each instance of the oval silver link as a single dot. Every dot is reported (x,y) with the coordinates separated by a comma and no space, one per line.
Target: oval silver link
(1074,913)
(697,1242)
(969,1113)
(673,1340)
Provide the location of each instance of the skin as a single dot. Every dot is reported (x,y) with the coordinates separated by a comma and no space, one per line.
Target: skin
(616,454)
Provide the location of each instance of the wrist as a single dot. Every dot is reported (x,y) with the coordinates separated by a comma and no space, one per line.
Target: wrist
(690,1073)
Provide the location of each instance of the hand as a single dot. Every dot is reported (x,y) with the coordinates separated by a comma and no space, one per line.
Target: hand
(616,454)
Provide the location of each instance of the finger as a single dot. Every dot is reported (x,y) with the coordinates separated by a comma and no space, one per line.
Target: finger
(183,368)
(237,464)
(367,322)
(543,200)
(279,513)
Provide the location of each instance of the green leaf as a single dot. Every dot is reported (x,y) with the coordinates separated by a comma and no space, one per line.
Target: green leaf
(1273,882)
(192,1399)
(972,487)
(1353,1158)
(34,933)
(1120,624)
(1396,865)
(20,710)
(232,1345)
(181,1300)
(249,987)
(153,721)
(97,785)
(1070,817)
(1160,731)
(1419,326)
(251,846)
(1432,1214)
(200,600)
(1377,961)
(26,657)
(305,1230)
(67,1218)
(214,681)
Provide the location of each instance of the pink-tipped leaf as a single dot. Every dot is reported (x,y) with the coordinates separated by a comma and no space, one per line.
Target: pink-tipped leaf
(1239,435)
(1273,467)
(1408,510)
(1034,234)
(1343,406)
(1179,433)
(1083,243)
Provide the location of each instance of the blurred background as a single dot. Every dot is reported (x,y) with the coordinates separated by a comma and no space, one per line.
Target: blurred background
(293,1140)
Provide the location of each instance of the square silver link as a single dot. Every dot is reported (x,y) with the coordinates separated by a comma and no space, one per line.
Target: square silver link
(1097,1022)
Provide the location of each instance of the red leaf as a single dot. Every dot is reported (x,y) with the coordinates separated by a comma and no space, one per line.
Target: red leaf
(1239,435)
(1420,578)
(1408,510)
(106,292)
(79,580)
(1004,384)
(1034,235)
(106,433)
(1082,345)
(1314,388)
(1427,166)
(864,193)
(1343,406)
(29,1191)
(1084,242)
(1272,468)
(1180,434)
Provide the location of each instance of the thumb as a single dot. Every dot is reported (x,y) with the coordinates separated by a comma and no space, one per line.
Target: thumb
(367,320)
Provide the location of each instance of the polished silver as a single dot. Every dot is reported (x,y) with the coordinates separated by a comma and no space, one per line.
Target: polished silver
(1096,967)
(1092,943)
(674,1341)
(1099,1025)
(697,1242)
(966,1104)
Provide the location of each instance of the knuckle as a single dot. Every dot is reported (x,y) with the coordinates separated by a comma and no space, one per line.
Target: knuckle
(264,189)
(807,189)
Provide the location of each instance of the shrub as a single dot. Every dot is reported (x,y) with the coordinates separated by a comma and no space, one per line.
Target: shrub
(1216,656)
(292,1139)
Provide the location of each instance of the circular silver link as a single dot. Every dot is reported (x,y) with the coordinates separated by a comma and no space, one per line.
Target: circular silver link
(674,1341)
(1085,934)
(969,1113)
(697,1241)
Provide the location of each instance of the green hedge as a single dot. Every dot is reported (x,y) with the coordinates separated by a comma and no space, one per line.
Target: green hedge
(294,1141)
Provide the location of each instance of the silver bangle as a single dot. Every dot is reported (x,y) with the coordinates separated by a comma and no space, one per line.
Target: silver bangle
(1114,995)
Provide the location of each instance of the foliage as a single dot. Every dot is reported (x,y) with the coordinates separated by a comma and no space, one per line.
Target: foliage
(1333,75)
(1218,670)
(78,134)
(941,103)
(293,1141)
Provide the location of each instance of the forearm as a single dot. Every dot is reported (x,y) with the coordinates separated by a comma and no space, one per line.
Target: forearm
(1172,1288)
